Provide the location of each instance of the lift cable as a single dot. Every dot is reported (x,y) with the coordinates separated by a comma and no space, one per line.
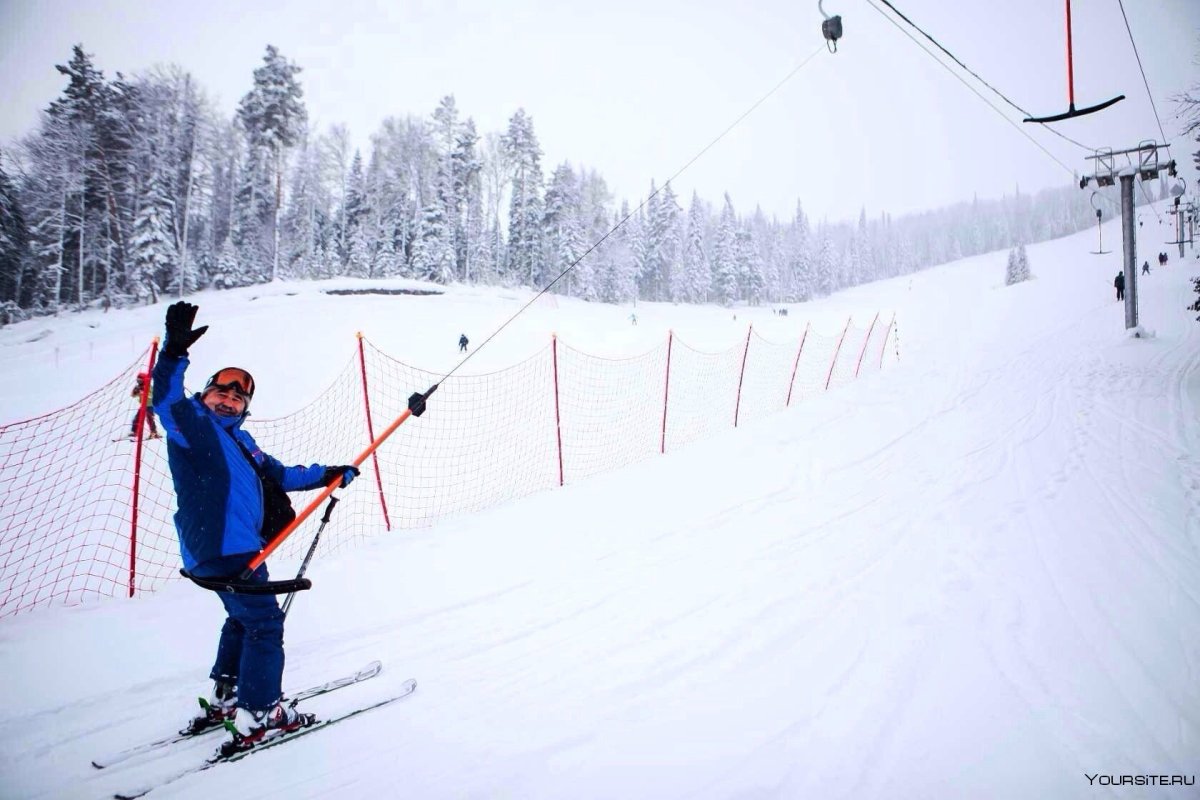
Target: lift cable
(1149,94)
(640,206)
(1003,116)
(974,74)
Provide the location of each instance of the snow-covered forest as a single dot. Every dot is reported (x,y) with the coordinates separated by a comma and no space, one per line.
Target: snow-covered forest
(136,187)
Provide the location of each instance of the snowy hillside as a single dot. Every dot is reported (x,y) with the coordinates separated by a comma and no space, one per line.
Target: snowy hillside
(975,574)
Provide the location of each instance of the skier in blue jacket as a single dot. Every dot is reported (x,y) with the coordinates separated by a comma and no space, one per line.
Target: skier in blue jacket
(231,502)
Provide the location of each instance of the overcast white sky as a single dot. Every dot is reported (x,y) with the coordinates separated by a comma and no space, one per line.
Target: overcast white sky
(636,88)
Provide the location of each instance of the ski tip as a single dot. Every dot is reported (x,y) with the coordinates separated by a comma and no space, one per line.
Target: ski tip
(369,671)
(98,766)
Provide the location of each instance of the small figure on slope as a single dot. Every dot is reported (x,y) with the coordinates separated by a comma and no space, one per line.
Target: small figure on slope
(462,343)
(139,388)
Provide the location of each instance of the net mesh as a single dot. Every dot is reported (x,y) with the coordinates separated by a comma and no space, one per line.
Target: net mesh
(73,525)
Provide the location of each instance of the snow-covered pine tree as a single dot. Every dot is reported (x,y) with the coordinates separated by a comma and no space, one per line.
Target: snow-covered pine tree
(358,261)
(433,250)
(636,237)
(274,117)
(456,174)
(695,276)
(14,244)
(59,194)
(762,274)
(801,277)
(386,263)
(666,223)
(189,175)
(251,218)
(773,258)
(354,205)
(227,272)
(85,106)
(617,278)
(752,283)
(52,197)
(648,254)
(594,224)
(823,266)
(164,140)
(495,174)
(1017,269)
(330,263)
(152,248)
(726,265)
(525,206)
(303,215)
(564,242)
(1011,272)
(222,154)
(467,172)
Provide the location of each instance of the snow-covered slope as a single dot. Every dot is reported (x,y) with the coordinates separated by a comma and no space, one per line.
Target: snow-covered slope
(975,575)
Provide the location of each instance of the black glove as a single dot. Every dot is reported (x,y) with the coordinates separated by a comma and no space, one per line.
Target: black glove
(180,335)
(348,472)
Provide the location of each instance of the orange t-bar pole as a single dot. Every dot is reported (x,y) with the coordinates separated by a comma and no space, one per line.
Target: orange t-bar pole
(416,405)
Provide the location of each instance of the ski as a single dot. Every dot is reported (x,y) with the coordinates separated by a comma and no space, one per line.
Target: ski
(407,688)
(366,673)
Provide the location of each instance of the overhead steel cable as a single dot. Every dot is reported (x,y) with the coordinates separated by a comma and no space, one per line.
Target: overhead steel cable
(640,206)
(973,74)
(1149,94)
(975,91)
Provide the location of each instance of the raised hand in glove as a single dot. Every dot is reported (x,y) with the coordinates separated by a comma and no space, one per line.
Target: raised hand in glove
(348,472)
(180,335)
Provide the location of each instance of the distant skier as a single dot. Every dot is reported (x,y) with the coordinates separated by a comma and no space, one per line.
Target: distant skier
(462,343)
(633,319)
(1119,283)
(1146,267)
(231,500)
(138,388)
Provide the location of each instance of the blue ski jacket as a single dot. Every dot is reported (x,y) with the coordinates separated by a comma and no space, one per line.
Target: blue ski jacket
(219,494)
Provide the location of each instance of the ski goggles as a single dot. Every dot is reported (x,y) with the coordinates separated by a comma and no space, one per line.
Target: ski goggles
(232,378)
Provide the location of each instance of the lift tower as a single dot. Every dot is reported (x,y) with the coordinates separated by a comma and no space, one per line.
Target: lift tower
(1146,167)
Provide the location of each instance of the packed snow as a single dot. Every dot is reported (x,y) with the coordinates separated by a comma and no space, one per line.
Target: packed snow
(973,574)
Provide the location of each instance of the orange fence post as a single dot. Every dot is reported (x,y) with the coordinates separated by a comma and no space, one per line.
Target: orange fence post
(886,334)
(737,406)
(362,361)
(837,350)
(866,341)
(792,383)
(557,418)
(662,448)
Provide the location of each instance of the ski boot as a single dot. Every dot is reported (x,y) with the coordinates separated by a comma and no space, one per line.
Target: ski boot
(222,705)
(249,728)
